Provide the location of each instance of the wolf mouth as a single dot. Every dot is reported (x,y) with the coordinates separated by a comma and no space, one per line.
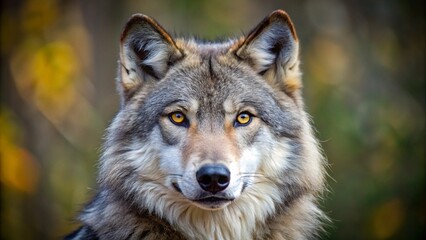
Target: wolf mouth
(213,202)
(213,199)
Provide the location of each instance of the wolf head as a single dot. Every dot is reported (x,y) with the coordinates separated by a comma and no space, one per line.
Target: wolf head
(209,127)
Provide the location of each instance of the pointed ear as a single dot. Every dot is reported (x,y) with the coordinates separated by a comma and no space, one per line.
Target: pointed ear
(272,50)
(146,52)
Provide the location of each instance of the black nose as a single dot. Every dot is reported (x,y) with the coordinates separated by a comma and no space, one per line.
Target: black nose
(213,177)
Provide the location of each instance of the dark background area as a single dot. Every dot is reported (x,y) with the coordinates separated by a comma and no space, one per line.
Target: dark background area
(364,77)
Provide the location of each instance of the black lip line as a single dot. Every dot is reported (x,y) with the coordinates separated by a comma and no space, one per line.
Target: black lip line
(204,199)
(213,199)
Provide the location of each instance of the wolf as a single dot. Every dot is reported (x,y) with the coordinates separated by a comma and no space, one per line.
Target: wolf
(211,140)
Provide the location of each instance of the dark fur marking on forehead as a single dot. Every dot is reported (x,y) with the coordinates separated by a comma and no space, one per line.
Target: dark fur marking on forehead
(211,67)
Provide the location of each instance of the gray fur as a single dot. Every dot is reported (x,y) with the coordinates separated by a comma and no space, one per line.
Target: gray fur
(146,187)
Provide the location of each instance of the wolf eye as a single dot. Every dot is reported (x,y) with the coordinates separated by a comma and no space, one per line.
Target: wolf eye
(178,118)
(243,119)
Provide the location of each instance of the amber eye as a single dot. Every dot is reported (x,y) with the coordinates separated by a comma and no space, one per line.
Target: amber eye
(178,118)
(243,119)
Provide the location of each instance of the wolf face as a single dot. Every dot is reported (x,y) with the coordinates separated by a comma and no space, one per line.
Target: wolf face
(213,137)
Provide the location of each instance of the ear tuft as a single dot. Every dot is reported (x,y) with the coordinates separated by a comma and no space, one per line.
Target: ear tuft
(146,52)
(272,49)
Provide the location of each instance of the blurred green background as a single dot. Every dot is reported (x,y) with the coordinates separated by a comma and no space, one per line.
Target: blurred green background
(364,75)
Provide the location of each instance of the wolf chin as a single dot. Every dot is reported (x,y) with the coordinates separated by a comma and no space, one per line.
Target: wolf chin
(211,140)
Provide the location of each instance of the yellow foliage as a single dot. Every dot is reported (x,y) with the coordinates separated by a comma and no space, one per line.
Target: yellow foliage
(19,169)
(46,76)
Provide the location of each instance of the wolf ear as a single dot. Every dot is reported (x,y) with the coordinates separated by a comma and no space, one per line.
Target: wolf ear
(146,52)
(272,50)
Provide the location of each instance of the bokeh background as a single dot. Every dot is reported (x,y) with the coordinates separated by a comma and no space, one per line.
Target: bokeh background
(364,75)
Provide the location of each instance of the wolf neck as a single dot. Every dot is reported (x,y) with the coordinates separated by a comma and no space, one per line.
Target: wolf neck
(228,223)
(236,221)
